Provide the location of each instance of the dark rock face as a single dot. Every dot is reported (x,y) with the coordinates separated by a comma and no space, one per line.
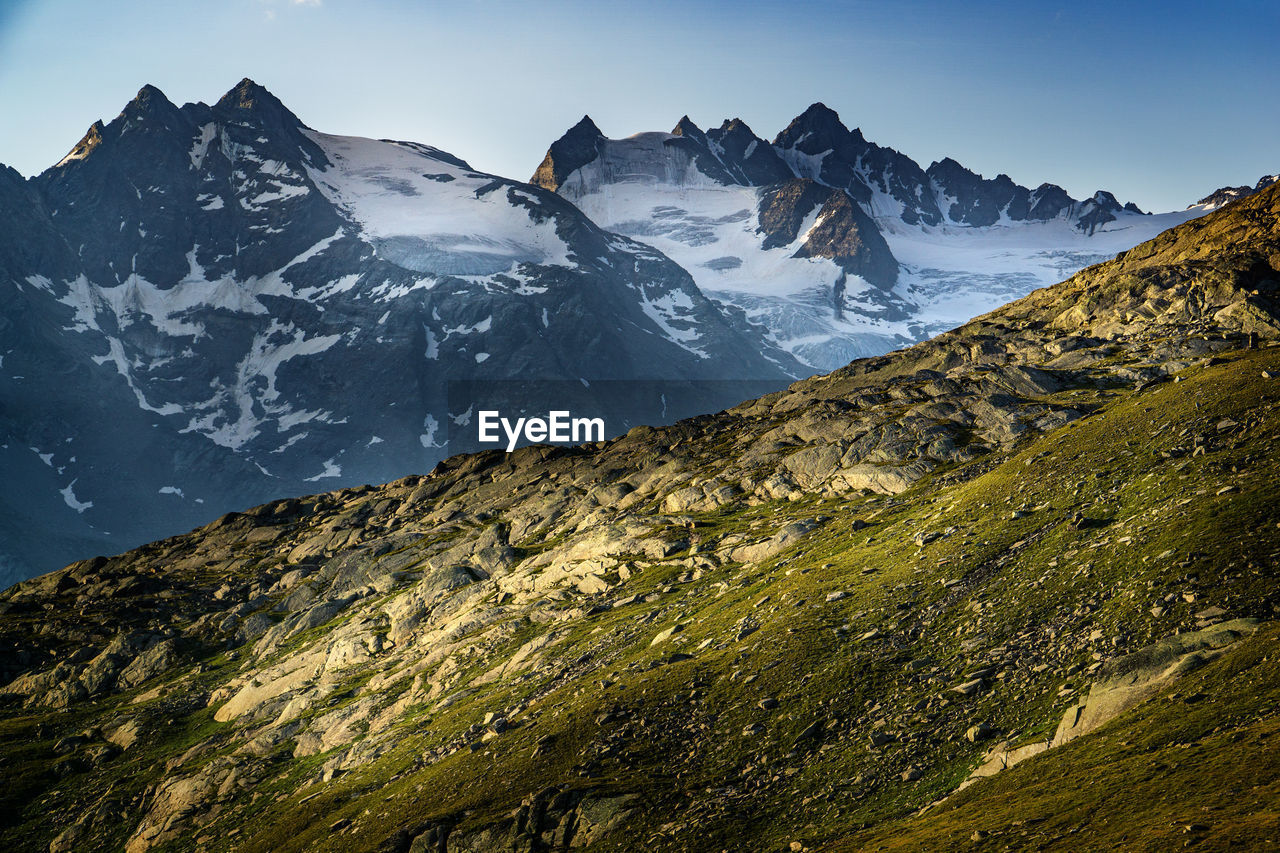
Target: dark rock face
(747,156)
(579,145)
(1047,201)
(978,201)
(848,161)
(208,307)
(841,230)
(784,207)
(818,145)
(1226,195)
(1097,211)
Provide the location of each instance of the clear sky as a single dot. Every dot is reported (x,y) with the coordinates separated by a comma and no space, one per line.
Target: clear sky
(1159,102)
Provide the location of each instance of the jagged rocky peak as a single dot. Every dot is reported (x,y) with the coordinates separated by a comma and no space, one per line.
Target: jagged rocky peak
(92,139)
(752,160)
(150,111)
(1102,198)
(686,128)
(1047,201)
(252,104)
(580,145)
(1096,211)
(1226,195)
(815,130)
(948,172)
(149,100)
(974,200)
(248,95)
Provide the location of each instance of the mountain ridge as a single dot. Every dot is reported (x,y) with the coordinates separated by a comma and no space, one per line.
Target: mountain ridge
(252,305)
(910,251)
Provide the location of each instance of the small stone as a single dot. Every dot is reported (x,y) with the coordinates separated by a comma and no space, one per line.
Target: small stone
(911,774)
(969,688)
(768,703)
(838,595)
(667,634)
(982,731)
(812,732)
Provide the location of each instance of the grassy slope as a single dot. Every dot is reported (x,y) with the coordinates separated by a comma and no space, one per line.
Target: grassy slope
(678,741)
(719,780)
(1198,766)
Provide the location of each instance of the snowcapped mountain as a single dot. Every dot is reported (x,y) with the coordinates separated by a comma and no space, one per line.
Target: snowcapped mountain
(206,307)
(840,247)
(1226,195)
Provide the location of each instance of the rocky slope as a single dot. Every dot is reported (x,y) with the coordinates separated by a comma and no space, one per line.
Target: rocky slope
(841,247)
(802,623)
(206,307)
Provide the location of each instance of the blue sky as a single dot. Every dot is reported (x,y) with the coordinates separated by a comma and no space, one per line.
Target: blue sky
(1157,102)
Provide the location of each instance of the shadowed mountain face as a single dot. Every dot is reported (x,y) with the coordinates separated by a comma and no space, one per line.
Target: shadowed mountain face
(210,306)
(1016,584)
(840,247)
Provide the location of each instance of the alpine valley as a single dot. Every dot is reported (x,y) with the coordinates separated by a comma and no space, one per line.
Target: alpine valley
(1014,587)
(206,307)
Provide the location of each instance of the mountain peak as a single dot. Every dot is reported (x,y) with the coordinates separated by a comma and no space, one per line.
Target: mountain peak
(248,95)
(92,139)
(737,126)
(818,129)
(819,115)
(579,146)
(149,100)
(1105,199)
(686,127)
(1223,195)
(249,99)
(585,127)
(948,169)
